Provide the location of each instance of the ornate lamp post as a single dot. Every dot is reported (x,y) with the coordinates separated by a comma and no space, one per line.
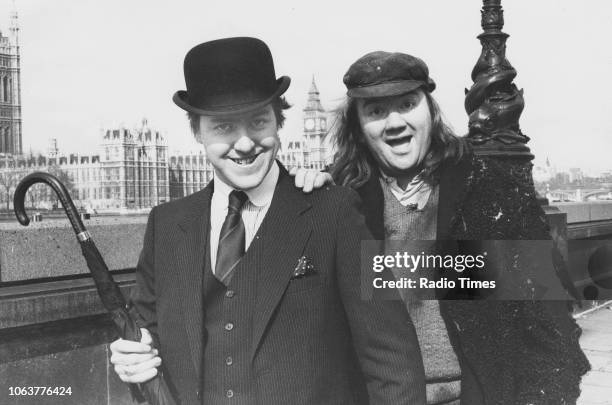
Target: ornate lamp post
(494,104)
(505,188)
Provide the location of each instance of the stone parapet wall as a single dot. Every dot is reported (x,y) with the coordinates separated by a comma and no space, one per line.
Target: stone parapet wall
(583,231)
(54,331)
(44,302)
(56,334)
(49,248)
(70,354)
(586,211)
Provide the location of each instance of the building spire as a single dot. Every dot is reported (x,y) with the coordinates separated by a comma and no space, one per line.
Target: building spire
(313,87)
(314,100)
(14,29)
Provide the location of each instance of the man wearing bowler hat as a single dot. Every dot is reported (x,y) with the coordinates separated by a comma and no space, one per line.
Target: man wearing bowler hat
(250,290)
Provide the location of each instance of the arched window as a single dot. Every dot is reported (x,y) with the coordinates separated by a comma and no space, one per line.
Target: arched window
(7,140)
(6,93)
(3,141)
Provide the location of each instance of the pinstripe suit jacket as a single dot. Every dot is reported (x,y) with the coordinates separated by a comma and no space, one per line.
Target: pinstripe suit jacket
(315,340)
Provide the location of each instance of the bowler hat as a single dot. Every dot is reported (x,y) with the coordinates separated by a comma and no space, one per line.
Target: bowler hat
(381,74)
(229,76)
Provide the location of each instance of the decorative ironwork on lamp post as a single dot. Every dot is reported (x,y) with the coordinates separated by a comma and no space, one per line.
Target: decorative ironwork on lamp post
(502,184)
(494,103)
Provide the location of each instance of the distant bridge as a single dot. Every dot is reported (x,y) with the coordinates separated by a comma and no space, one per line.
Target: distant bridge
(579,194)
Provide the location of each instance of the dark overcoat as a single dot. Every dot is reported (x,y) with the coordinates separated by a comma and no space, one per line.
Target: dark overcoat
(510,352)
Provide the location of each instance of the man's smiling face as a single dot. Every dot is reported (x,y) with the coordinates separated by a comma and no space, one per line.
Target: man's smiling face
(241,147)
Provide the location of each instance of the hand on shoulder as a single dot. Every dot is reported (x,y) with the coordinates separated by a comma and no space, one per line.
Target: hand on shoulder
(310,179)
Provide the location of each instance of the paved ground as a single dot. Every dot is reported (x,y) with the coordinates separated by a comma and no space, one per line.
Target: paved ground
(596,341)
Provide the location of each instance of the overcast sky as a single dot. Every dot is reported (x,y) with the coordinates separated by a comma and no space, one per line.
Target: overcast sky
(88,64)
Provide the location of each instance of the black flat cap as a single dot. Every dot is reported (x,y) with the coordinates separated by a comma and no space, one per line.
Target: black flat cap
(381,74)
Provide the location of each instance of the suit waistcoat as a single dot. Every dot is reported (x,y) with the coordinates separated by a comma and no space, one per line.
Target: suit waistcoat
(228,330)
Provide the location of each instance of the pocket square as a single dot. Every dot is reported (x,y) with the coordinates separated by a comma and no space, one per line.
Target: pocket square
(304,268)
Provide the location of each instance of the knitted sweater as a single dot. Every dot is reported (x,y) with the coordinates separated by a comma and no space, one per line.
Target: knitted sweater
(442,371)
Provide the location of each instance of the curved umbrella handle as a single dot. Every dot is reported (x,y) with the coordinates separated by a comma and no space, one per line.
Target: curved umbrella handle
(156,391)
(62,194)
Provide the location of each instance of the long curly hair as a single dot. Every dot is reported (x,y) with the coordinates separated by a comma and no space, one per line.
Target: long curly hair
(353,161)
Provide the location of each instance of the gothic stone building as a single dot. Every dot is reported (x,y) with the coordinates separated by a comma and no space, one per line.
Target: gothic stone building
(10,91)
(134,167)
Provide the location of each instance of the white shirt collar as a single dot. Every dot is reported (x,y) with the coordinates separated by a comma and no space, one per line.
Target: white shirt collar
(259,196)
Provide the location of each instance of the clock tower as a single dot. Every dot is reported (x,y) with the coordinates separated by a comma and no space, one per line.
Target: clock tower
(315,129)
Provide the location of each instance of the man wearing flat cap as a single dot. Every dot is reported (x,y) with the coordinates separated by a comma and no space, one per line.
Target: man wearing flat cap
(250,289)
(421,183)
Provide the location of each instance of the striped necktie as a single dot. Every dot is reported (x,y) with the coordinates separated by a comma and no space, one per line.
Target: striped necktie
(231,238)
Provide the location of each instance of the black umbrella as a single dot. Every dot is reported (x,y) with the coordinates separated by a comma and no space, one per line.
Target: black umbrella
(155,391)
